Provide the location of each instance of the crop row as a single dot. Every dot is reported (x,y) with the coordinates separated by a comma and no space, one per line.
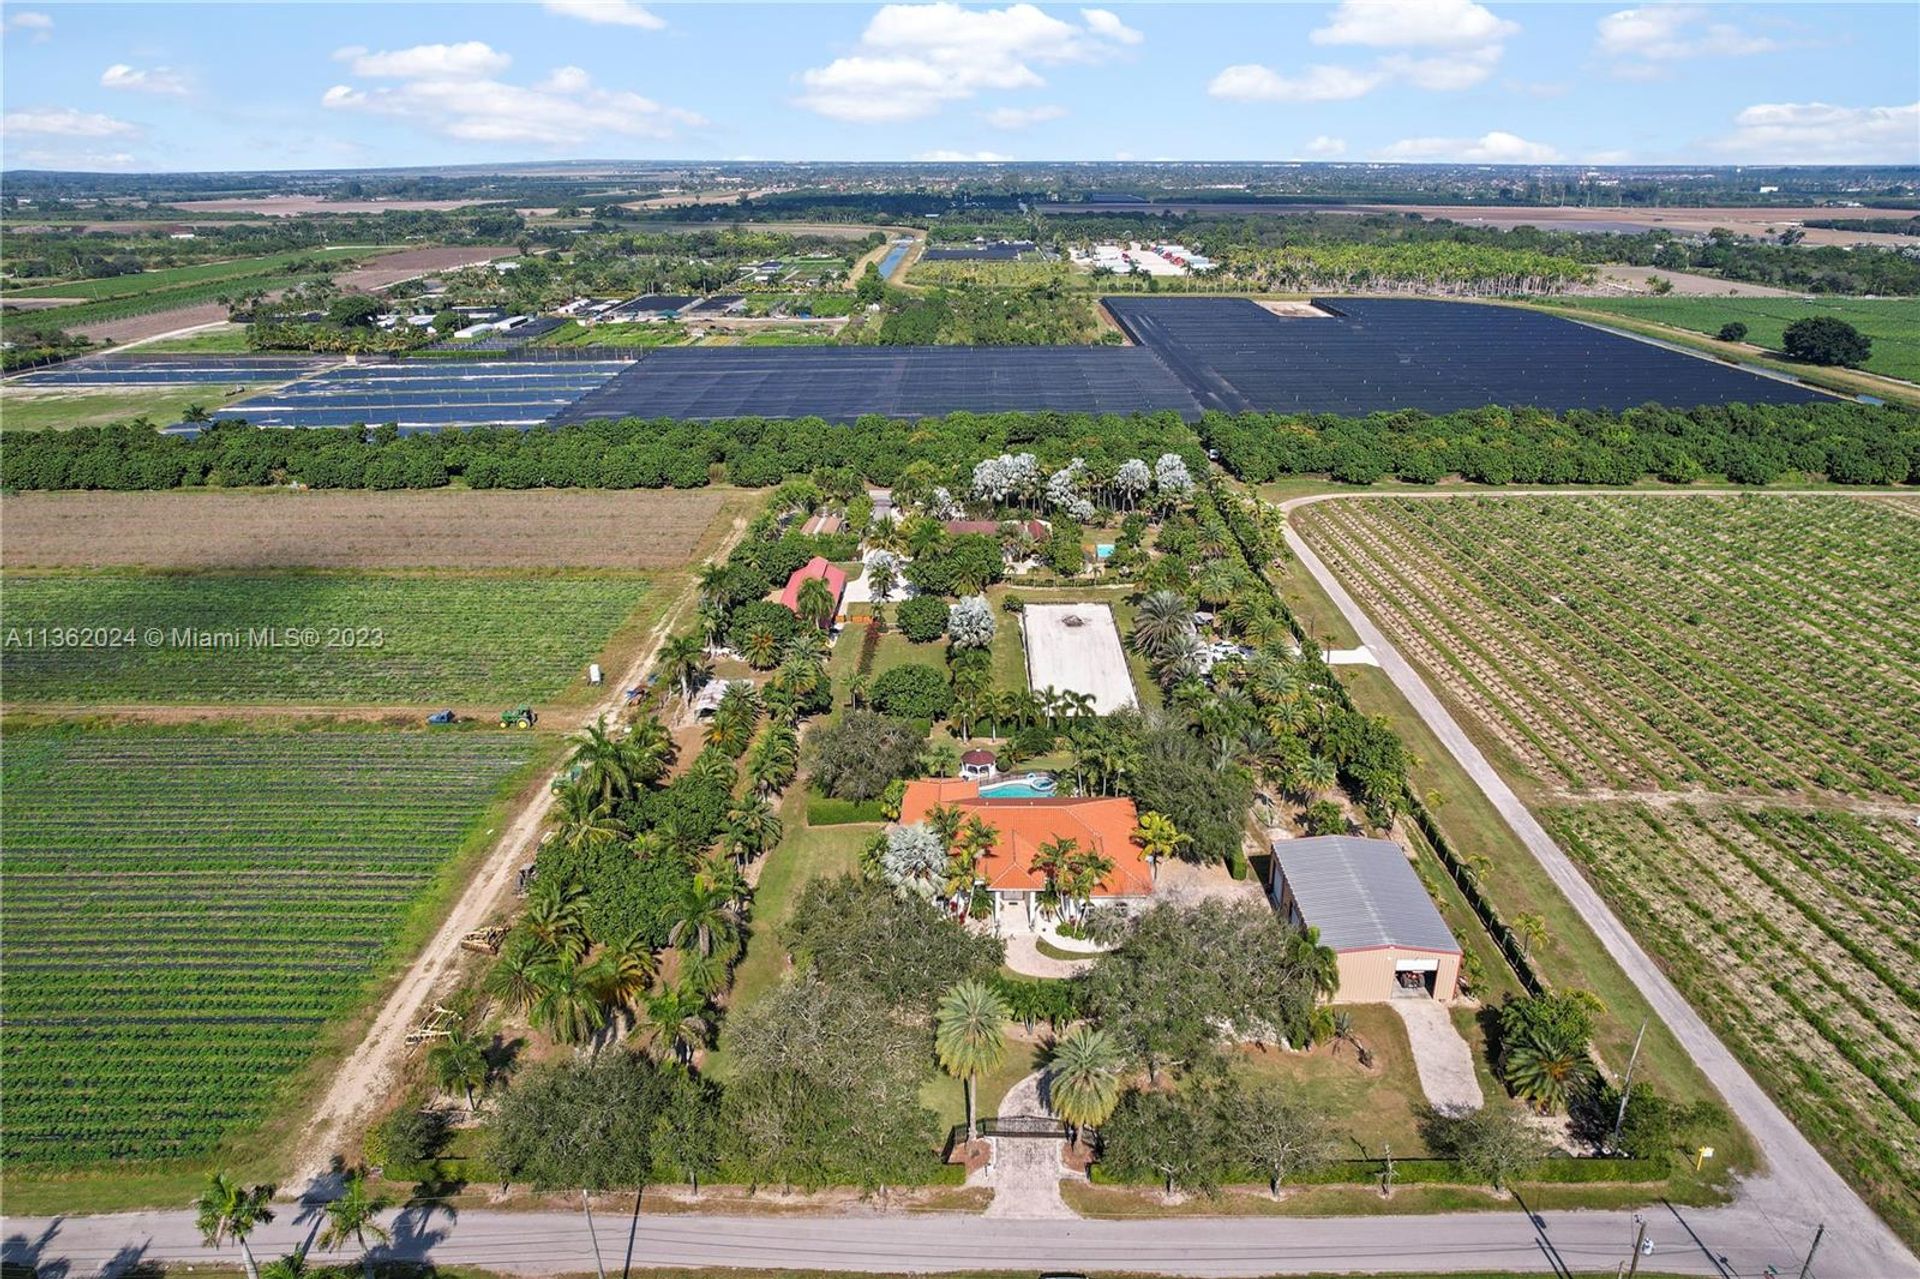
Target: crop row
(306,639)
(1761,644)
(1802,978)
(162,980)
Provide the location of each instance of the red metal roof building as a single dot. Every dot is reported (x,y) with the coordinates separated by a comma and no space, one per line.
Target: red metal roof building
(822,568)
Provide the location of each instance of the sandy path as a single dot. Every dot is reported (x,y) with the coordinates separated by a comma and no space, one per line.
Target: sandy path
(366,1079)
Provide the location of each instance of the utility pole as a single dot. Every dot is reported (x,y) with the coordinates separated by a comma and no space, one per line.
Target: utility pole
(1639,1243)
(1807,1268)
(586,1206)
(1626,1086)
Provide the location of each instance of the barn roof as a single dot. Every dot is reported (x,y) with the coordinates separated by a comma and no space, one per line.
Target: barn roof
(1360,894)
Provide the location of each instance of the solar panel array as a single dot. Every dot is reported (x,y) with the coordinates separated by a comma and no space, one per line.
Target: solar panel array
(841,383)
(430,394)
(1376,354)
(172,370)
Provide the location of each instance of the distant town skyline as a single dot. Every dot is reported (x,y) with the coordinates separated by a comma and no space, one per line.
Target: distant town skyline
(266,86)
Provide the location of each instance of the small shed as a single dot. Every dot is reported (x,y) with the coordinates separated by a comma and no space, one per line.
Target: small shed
(1372,911)
(978,765)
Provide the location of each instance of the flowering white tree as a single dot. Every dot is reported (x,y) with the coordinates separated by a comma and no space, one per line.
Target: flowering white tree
(941,504)
(1007,478)
(1132,480)
(915,861)
(970,623)
(1063,490)
(1171,477)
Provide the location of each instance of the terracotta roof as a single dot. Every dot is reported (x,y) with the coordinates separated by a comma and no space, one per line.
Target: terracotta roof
(977,757)
(991,528)
(1024,824)
(824,522)
(820,567)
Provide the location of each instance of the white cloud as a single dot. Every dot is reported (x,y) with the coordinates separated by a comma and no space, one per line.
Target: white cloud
(1665,33)
(39,26)
(1538,88)
(962,157)
(1461,40)
(611,13)
(914,59)
(1021,117)
(1398,24)
(1251,82)
(1326,148)
(72,161)
(1817,133)
(161,80)
(1497,147)
(65,122)
(454,90)
(423,61)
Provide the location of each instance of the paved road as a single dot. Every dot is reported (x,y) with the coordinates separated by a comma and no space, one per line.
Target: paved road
(545,1243)
(1800,1189)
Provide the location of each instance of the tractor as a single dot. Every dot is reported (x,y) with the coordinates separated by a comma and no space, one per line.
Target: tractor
(518,717)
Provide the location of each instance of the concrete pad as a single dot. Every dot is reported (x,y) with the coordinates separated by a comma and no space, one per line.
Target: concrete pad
(1076,648)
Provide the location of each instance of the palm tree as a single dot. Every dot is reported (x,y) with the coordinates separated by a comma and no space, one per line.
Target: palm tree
(677,1019)
(1215,584)
(814,601)
(515,977)
(1319,961)
(1085,868)
(602,763)
(1320,774)
(1163,616)
(752,828)
(1083,1077)
(1545,1067)
(1531,930)
(857,689)
(761,648)
(581,819)
(570,1006)
(1050,861)
(227,1210)
(807,645)
(882,577)
(683,661)
(554,917)
(355,1215)
(624,972)
(713,583)
(704,916)
(649,749)
(1159,838)
(459,1064)
(969,1035)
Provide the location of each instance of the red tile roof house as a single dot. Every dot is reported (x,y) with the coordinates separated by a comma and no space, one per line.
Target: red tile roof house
(1036,529)
(1022,825)
(820,567)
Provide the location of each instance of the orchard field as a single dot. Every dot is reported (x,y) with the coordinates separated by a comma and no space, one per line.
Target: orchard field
(186,910)
(1711,703)
(1761,643)
(466,640)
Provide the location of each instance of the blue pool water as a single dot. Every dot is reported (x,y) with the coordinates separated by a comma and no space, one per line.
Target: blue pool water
(1019,789)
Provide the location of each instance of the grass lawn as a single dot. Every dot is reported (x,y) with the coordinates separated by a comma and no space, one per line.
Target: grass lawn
(63,410)
(1892,323)
(228,340)
(807,853)
(573,333)
(947,1097)
(1370,1108)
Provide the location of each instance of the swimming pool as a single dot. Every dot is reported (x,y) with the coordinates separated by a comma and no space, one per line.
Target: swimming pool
(1032,786)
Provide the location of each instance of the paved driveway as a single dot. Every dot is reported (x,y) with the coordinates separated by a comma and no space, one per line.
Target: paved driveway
(1441,1056)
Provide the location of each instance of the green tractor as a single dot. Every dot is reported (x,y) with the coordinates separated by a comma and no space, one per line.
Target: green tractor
(518,717)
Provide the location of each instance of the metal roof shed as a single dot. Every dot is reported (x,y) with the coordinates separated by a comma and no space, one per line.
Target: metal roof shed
(1372,910)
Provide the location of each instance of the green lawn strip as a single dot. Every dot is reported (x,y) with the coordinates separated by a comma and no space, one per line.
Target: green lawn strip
(469,641)
(1124,1202)
(1892,323)
(1369,1109)
(285,877)
(43,411)
(946,1097)
(228,340)
(142,282)
(639,334)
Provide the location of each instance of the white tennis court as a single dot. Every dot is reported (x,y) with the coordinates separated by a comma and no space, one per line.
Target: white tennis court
(1076,648)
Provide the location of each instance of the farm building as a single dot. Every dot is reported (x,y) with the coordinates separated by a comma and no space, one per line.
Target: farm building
(823,523)
(1374,913)
(1021,823)
(822,568)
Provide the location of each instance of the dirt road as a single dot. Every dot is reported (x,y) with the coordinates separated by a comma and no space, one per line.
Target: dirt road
(365,1081)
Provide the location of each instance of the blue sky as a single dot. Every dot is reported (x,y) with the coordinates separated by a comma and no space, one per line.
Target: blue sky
(268,86)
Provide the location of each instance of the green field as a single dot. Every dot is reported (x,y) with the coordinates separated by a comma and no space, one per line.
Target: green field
(1893,324)
(144,282)
(64,410)
(186,909)
(662,333)
(223,341)
(362,638)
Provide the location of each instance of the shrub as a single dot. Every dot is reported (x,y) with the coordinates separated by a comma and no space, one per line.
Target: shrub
(923,618)
(1826,339)
(913,691)
(1732,331)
